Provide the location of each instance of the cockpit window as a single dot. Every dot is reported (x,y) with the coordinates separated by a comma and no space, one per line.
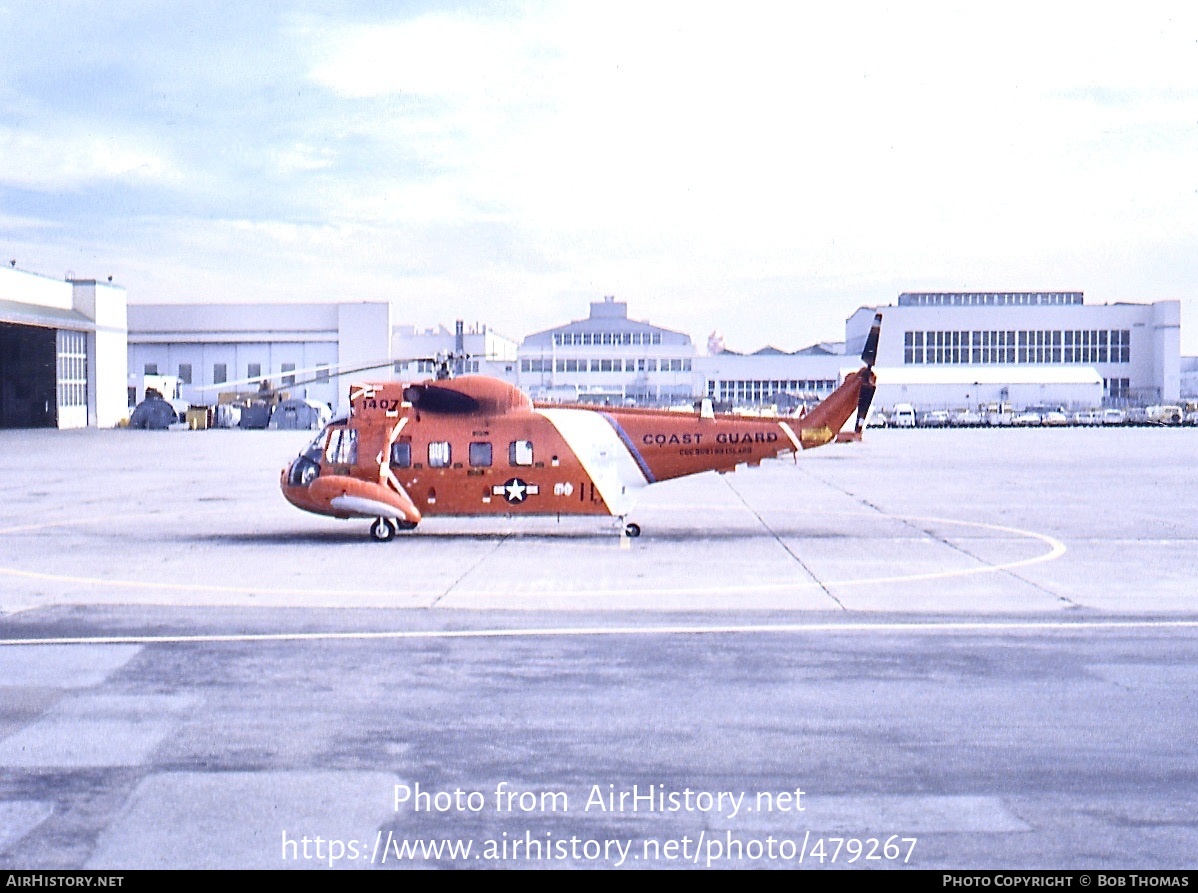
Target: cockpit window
(314,450)
(343,447)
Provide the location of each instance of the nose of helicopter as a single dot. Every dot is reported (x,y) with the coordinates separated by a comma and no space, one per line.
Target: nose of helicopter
(343,496)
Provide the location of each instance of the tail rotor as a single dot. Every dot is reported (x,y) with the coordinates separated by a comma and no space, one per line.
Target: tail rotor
(869,384)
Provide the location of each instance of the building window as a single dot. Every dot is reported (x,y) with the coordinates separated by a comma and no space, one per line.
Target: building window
(1121,347)
(151,368)
(72,368)
(185,373)
(254,370)
(322,373)
(220,373)
(289,379)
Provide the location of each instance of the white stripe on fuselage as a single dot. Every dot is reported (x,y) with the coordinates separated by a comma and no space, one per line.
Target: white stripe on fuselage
(604,457)
(363,507)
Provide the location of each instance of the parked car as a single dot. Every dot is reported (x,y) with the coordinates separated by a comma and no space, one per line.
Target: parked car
(1026,419)
(903,416)
(1049,414)
(1113,417)
(936,418)
(999,414)
(1165,415)
(966,418)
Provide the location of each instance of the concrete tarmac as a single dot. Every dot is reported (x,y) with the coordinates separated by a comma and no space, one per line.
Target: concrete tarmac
(981,640)
(974,521)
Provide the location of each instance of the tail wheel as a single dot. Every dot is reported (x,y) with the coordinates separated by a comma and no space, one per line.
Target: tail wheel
(382,530)
(632,530)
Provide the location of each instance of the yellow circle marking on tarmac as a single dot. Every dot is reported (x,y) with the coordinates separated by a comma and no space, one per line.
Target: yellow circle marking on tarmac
(1055,550)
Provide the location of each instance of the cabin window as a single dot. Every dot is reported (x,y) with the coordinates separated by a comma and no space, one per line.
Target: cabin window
(343,447)
(439,454)
(401,455)
(520,452)
(480,455)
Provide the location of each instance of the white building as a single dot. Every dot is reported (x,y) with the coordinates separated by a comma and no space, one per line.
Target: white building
(62,351)
(943,387)
(298,347)
(314,351)
(473,350)
(608,358)
(1134,349)
(1189,378)
(770,377)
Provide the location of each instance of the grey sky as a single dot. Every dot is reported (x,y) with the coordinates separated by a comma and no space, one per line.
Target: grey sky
(761,170)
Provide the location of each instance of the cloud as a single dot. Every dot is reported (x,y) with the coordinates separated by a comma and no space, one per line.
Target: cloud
(64,160)
(802,154)
(470,59)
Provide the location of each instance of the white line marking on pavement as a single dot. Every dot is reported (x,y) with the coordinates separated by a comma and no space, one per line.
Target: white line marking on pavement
(577,631)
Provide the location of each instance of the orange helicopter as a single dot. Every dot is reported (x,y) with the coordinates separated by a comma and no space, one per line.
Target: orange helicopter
(476,445)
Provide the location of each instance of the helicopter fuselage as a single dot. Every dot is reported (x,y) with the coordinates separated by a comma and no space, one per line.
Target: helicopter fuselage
(479,446)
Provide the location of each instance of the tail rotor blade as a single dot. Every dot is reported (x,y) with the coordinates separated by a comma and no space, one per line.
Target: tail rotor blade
(870,354)
(864,401)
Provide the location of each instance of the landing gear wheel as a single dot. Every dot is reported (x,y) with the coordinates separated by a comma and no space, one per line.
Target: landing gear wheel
(632,530)
(382,530)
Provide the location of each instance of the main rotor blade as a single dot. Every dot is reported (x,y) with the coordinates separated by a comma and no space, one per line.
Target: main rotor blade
(430,398)
(314,373)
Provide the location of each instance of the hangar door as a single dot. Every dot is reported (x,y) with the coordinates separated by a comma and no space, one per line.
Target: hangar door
(72,379)
(28,397)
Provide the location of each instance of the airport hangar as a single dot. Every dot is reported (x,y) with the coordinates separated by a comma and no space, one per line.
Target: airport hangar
(296,347)
(62,351)
(947,350)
